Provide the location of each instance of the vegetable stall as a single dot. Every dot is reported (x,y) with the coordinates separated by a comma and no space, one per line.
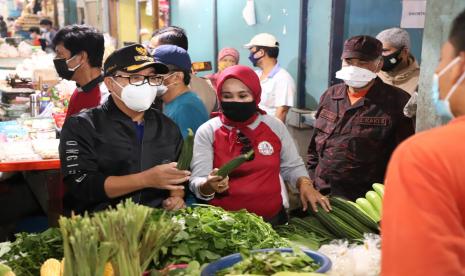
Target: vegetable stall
(136,240)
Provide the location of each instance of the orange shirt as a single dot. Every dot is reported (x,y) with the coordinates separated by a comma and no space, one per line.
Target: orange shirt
(423,225)
(355,97)
(36,42)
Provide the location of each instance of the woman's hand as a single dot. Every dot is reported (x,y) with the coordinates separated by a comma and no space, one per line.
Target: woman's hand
(215,184)
(310,194)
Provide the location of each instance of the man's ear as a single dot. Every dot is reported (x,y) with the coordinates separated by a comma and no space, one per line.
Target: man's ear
(459,70)
(405,52)
(380,65)
(462,62)
(109,84)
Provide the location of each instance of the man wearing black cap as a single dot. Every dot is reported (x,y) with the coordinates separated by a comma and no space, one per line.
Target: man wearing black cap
(359,124)
(124,148)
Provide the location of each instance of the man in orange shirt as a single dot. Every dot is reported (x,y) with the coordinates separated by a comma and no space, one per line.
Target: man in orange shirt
(423,226)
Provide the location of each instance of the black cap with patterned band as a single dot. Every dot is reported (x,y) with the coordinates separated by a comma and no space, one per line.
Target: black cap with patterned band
(132,58)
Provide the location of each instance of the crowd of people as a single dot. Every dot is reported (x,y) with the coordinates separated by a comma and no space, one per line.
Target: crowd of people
(129,115)
(41,35)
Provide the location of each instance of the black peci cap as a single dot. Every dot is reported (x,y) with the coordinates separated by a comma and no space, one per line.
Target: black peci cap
(132,58)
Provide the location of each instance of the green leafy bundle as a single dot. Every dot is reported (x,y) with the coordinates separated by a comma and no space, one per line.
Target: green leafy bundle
(84,251)
(210,232)
(29,251)
(130,237)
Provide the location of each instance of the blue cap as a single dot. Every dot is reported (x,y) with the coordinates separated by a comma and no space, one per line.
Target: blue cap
(172,55)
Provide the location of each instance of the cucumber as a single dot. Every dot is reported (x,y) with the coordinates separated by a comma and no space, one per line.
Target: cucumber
(379,189)
(320,230)
(336,225)
(368,208)
(187,151)
(355,211)
(350,220)
(227,168)
(375,200)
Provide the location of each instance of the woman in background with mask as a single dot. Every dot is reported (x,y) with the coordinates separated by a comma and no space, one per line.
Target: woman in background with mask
(227,57)
(239,127)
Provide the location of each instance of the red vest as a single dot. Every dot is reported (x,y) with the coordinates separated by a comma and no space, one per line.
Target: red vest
(83,100)
(254,185)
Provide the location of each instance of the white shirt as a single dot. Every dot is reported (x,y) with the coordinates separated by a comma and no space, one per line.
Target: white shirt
(278,89)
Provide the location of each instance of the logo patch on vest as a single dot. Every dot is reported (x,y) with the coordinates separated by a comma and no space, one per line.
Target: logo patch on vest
(328,115)
(374,121)
(265,148)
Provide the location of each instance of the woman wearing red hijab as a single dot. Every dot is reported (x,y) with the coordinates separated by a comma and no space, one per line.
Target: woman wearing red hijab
(241,126)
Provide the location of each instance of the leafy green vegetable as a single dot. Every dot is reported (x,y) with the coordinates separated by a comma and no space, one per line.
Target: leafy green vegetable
(29,251)
(300,237)
(210,232)
(268,263)
(129,236)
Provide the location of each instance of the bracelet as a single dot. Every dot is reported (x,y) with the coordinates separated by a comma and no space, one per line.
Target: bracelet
(306,181)
(204,195)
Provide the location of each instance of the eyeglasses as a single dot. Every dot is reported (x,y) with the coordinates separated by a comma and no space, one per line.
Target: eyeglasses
(137,80)
(246,144)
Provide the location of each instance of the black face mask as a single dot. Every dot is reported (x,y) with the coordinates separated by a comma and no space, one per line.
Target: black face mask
(253,59)
(238,111)
(62,69)
(391,61)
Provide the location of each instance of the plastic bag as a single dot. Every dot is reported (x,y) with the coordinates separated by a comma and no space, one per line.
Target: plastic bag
(24,49)
(354,259)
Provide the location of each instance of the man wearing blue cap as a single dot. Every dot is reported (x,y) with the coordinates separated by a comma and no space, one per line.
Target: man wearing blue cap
(183,106)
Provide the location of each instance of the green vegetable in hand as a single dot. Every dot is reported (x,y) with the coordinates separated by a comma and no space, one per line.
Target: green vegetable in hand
(187,151)
(227,168)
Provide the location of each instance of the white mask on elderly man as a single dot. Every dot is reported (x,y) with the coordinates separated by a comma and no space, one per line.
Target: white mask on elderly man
(137,97)
(354,76)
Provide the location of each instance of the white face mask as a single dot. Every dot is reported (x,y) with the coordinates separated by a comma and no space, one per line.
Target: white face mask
(138,98)
(162,89)
(354,76)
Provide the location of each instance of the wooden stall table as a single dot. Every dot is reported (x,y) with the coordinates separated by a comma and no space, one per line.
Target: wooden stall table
(54,183)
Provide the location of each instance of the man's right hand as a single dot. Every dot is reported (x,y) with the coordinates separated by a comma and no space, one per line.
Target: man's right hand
(165,176)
